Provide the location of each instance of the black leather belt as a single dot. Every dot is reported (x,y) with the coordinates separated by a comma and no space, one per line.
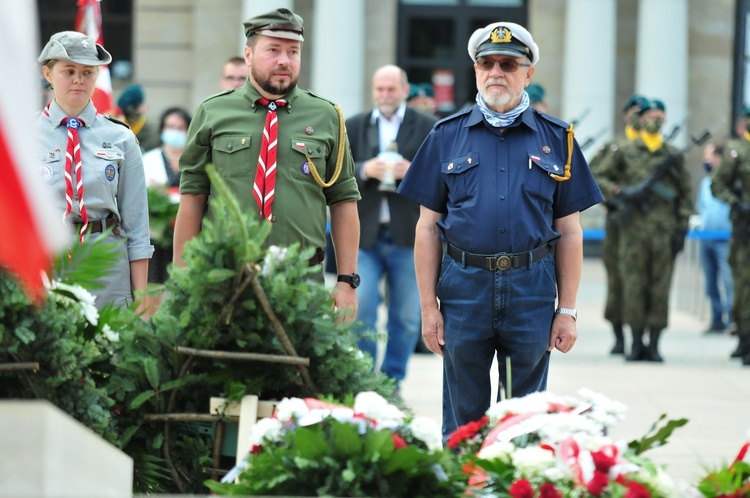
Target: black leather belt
(501,261)
(317,258)
(98,226)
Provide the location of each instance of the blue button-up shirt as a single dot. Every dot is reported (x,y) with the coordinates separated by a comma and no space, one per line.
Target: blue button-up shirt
(494,187)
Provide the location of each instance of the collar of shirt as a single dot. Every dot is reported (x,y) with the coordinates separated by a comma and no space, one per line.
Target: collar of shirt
(252,95)
(526,117)
(397,118)
(56,114)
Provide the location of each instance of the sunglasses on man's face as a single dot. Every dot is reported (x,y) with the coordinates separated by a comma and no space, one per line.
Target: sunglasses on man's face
(506,65)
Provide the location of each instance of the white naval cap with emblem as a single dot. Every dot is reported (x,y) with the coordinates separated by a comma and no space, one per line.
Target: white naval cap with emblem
(503,38)
(75,47)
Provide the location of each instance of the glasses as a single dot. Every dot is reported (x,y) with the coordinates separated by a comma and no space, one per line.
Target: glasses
(506,65)
(234,78)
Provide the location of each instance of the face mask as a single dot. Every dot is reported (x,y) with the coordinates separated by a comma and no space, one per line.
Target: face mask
(173,138)
(633,121)
(707,167)
(652,126)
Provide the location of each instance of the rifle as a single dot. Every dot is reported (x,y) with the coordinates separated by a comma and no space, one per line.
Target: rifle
(636,195)
(590,141)
(577,120)
(676,129)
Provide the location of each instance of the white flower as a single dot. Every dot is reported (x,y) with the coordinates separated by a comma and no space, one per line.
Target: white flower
(375,407)
(82,297)
(313,417)
(499,450)
(428,431)
(560,426)
(532,459)
(110,334)
(274,256)
(265,429)
(530,404)
(291,408)
(604,410)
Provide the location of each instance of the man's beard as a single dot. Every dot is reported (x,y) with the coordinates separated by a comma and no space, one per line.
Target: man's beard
(265,83)
(497,99)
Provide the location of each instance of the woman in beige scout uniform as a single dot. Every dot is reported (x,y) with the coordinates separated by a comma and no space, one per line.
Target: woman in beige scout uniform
(94,165)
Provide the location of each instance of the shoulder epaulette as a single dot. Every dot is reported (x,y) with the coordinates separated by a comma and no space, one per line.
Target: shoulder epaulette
(225,92)
(115,120)
(454,116)
(313,94)
(552,119)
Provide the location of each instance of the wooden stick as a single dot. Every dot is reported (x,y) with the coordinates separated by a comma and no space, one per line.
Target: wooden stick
(229,355)
(186,417)
(10,367)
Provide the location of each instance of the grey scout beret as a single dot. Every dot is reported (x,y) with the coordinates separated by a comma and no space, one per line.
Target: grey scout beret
(75,47)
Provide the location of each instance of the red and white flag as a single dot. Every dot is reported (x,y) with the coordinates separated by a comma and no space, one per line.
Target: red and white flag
(89,22)
(30,228)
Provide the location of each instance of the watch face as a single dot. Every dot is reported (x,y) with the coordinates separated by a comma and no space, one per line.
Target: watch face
(355,280)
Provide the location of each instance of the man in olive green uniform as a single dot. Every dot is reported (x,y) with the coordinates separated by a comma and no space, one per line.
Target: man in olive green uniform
(732,185)
(611,242)
(653,223)
(313,166)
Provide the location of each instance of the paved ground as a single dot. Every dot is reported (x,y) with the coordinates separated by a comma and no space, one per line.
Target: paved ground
(697,381)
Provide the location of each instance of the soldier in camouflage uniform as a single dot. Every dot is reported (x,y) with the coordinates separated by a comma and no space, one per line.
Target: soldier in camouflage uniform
(732,185)
(652,222)
(611,242)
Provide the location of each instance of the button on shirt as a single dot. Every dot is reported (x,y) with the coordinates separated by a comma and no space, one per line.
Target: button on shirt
(112,170)
(494,188)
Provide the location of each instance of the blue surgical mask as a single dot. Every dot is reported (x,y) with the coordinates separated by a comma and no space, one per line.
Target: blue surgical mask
(173,138)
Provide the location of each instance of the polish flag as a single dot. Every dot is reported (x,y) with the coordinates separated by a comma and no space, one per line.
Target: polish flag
(30,230)
(89,22)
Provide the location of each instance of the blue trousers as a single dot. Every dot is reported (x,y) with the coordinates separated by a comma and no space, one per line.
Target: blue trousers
(397,264)
(487,313)
(715,261)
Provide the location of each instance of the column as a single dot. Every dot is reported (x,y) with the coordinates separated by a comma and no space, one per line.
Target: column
(662,58)
(589,70)
(337,36)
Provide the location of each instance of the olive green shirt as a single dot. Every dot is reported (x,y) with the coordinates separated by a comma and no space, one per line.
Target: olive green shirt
(731,182)
(227,131)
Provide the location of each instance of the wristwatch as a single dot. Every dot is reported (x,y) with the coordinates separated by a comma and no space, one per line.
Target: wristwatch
(352,280)
(567,311)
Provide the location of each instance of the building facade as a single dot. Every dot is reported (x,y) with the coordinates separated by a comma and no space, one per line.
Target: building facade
(594,53)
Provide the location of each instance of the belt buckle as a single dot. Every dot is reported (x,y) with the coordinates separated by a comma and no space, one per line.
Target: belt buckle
(501,263)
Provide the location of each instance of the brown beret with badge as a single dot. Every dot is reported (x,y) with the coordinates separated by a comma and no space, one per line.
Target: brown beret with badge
(76,47)
(503,38)
(279,23)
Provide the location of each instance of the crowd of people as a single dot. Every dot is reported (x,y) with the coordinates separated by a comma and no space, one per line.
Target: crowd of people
(471,222)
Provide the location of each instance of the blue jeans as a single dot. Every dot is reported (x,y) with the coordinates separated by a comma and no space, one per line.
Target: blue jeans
(397,263)
(487,313)
(715,261)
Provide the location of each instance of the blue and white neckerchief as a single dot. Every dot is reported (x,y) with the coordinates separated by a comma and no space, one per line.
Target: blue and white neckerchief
(503,119)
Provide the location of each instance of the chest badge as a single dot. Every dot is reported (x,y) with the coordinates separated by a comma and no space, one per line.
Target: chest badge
(468,160)
(109,172)
(309,130)
(45,173)
(450,166)
(546,149)
(243,141)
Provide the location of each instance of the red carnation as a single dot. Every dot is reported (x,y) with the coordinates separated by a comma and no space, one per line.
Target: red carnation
(636,490)
(521,489)
(598,483)
(398,442)
(548,490)
(603,461)
(466,431)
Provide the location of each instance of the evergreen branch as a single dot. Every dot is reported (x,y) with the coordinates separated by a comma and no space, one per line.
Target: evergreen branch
(277,327)
(229,355)
(218,182)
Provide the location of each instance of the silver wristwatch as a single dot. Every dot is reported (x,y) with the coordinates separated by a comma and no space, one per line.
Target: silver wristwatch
(567,311)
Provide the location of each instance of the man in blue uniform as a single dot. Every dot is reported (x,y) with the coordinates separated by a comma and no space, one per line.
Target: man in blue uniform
(500,187)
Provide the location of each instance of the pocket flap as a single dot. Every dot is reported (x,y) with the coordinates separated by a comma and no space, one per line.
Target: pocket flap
(309,148)
(459,164)
(550,167)
(231,143)
(109,154)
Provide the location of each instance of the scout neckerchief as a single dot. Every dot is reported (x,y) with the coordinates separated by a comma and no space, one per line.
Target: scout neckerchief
(73,155)
(502,119)
(265,176)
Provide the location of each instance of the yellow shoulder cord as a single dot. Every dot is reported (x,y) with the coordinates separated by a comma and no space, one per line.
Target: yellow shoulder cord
(339,155)
(566,169)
